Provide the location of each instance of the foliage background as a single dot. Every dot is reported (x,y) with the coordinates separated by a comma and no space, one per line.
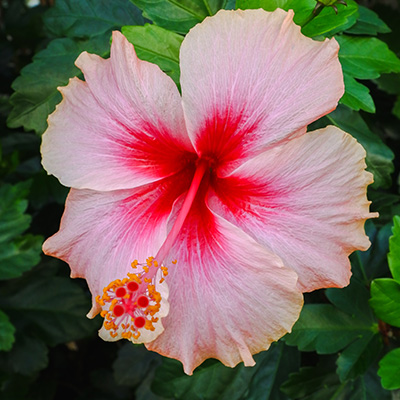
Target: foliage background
(346,343)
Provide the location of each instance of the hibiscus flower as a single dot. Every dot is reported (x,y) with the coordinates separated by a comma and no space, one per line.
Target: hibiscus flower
(241,209)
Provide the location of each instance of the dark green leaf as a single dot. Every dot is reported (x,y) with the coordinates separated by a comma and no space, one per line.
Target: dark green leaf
(390,83)
(325,329)
(358,356)
(7,332)
(156,45)
(396,108)
(387,204)
(13,204)
(355,294)
(379,156)
(372,263)
(389,370)
(17,253)
(179,16)
(385,300)
(394,247)
(54,308)
(321,383)
(272,372)
(212,380)
(133,364)
(357,96)
(89,18)
(368,23)
(28,356)
(36,93)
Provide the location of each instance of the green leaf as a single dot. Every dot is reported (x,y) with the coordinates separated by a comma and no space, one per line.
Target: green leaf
(363,58)
(17,253)
(366,58)
(379,156)
(36,93)
(133,364)
(89,18)
(325,329)
(268,5)
(357,95)
(327,23)
(7,332)
(212,380)
(179,16)
(368,23)
(156,45)
(54,308)
(358,356)
(385,300)
(389,370)
(394,249)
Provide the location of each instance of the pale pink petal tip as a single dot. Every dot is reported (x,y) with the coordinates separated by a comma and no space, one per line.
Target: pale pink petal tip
(258,82)
(311,194)
(229,297)
(120,128)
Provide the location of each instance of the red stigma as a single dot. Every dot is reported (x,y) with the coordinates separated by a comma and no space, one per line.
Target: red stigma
(120,292)
(118,310)
(139,322)
(143,301)
(132,286)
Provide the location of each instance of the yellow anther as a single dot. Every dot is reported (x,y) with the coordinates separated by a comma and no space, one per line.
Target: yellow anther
(104,313)
(147,280)
(174,262)
(137,335)
(145,269)
(162,280)
(155,263)
(156,297)
(113,334)
(149,325)
(151,288)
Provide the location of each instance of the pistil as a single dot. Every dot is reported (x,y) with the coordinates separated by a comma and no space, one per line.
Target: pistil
(132,307)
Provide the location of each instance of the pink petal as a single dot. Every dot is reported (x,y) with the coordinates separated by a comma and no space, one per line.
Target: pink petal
(305,201)
(229,297)
(101,233)
(121,128)
(250,79)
